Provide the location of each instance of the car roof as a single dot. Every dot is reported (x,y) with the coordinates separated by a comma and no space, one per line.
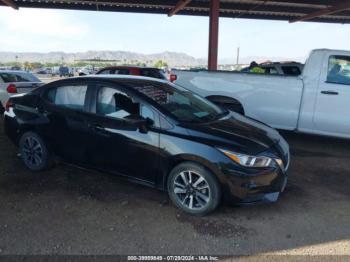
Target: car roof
(14,71)
(121,78)
(129,67)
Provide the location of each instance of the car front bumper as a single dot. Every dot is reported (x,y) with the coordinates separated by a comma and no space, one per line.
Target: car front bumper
(265,186)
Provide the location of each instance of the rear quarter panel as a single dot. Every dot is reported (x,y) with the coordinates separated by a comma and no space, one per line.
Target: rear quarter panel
(3,93)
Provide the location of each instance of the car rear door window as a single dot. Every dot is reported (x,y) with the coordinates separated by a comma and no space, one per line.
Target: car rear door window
(69,96)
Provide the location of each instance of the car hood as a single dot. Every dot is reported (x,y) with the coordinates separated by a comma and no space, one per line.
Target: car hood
(236,132)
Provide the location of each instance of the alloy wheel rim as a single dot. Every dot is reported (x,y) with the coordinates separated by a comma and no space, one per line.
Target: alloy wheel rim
(192,190)
(32,151)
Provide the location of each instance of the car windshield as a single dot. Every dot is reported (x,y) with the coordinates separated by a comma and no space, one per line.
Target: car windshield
(182,104)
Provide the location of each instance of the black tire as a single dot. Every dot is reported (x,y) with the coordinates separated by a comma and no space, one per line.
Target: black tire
(34,152)
(200,206)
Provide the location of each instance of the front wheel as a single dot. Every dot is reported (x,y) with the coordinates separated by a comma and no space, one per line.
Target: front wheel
(34,152)
(194,189)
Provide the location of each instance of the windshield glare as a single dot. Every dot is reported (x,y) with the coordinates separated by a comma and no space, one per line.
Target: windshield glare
(182,104)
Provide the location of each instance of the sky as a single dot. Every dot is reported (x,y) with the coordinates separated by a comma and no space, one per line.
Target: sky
(39,30)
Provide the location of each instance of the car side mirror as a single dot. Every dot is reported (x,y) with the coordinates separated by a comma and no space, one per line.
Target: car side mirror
(144,126)
(140,122)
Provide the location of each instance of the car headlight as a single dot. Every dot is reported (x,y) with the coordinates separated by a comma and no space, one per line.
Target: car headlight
(280,163)
(246,160)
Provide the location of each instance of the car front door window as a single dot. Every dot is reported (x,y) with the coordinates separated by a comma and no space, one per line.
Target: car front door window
(116,139)
(116,104)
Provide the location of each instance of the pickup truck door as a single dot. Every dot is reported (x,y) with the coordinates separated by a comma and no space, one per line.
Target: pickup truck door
(332,105)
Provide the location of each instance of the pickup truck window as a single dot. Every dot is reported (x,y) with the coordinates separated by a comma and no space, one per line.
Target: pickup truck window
(291,70)
(339,70)
(270,70)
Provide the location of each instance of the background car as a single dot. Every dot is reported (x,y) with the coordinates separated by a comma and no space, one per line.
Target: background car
(87,70)
(154,133)
(137,71)
(65,71)
(15,82)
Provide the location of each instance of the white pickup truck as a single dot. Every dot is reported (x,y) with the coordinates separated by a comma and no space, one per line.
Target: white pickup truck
(316,102)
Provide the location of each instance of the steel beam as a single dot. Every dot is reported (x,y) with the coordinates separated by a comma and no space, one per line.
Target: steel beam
(326,11)
(179,6)
(213,34)
(10,3)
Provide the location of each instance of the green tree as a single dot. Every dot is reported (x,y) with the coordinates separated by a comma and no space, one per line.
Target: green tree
(161,64)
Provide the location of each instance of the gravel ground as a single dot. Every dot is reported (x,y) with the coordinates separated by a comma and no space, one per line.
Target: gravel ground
(72,211)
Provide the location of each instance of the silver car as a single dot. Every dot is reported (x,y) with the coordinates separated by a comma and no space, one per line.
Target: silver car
(16,82)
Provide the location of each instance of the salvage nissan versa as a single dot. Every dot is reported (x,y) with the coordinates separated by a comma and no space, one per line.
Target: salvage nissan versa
(152,132)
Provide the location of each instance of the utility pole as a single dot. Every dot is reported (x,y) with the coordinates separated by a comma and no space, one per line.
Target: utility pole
(237,58)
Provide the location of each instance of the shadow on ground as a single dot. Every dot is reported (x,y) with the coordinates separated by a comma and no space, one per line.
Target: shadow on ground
(72,211)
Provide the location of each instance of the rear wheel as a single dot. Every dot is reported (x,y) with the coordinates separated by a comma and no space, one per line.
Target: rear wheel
(34,152)
(194,189)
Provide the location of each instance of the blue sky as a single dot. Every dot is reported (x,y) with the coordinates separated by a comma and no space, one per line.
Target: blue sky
(74,31)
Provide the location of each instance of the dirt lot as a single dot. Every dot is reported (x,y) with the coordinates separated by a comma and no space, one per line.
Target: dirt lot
(72,211)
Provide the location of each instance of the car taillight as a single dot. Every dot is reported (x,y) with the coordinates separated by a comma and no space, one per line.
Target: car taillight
(11,89)
(172,77)
(8,105)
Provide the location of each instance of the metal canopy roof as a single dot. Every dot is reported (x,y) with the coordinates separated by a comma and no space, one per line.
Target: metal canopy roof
(287,10)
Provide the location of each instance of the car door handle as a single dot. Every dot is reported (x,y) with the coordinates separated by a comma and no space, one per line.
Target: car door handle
(96,127)
(99,128)
(329,93)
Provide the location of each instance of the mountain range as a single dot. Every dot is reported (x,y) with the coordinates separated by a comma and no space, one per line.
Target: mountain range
(172,58)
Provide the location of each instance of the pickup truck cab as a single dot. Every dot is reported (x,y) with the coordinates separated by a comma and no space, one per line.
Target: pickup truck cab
(316,102)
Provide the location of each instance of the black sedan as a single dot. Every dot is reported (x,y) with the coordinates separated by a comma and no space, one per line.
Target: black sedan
(151,132)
